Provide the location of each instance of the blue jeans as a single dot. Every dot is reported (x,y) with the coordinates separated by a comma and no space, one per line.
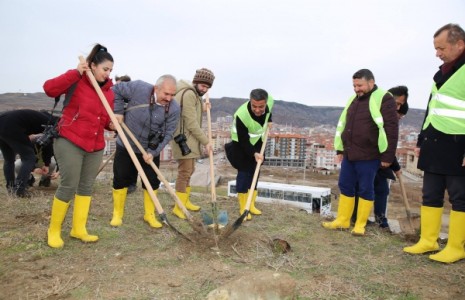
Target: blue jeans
(362,172)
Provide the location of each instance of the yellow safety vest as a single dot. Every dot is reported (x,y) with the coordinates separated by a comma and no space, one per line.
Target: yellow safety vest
(256,130)
(446,109)
(375,110)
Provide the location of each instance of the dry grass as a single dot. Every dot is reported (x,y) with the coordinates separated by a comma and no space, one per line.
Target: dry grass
(137,262)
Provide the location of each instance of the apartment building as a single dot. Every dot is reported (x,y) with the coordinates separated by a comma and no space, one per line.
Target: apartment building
(323,157)
(285,150)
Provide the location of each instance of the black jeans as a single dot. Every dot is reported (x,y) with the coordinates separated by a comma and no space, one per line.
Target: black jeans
(11,144)
(125,172)
(435,185)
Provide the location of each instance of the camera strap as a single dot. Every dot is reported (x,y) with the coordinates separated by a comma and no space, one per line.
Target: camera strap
(68,96)
(181,104)
(167,109)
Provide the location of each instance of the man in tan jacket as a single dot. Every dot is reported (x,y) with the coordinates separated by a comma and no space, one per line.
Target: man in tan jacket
(189,136)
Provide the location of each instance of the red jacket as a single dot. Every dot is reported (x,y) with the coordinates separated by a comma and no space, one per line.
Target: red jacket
(84,118)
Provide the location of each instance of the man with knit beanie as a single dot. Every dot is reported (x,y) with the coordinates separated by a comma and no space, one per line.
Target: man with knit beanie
(189,137)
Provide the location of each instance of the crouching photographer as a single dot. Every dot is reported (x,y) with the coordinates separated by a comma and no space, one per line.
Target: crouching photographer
(151,116)
(15,128)
(45,163)
(189,137)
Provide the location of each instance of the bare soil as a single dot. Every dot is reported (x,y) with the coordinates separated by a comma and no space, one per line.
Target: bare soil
(135,261)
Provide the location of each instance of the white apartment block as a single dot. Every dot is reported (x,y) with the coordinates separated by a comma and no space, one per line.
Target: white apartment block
(323,158)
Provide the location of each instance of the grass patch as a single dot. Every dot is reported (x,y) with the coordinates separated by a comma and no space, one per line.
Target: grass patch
(135,261)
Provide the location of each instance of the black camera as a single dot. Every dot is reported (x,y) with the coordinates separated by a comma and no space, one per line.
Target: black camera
(181,139)
(47,136)
(154,139)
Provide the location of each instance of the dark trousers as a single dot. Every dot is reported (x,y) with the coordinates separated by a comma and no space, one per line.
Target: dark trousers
(125,172)
(244,181)
(358,172)
(435,185)
(381,188)
(17,143)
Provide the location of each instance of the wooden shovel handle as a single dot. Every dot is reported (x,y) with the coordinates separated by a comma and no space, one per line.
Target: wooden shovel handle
(404,197)
(157,171)
(124,139)
(257,170)
(210,154)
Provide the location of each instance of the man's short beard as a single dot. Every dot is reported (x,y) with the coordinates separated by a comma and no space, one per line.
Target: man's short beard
(197,90)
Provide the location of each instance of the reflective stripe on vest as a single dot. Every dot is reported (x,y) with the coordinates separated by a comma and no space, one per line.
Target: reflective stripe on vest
(375,110)
(255,130)
(446,109)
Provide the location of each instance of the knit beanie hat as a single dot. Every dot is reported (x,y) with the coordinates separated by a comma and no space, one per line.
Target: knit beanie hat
(204,76)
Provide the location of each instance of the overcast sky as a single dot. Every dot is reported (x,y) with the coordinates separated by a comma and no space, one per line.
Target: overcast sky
(300,51)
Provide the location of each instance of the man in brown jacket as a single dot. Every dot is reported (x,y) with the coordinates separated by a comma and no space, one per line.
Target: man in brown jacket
(189,136)
(366,139)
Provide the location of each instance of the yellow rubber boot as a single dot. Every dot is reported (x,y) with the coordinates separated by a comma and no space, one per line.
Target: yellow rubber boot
(253,209)
(363,212)
(59,209)
(149,207)
(189,205)
(80,214)
(242,199)
(454,249)
(249,215)
(119,199)
(431,218)
(177,211)
(344,213)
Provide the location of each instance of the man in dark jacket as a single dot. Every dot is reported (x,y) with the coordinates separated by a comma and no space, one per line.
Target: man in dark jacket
(442,145)
(366,139)
(381,183)
(15,128)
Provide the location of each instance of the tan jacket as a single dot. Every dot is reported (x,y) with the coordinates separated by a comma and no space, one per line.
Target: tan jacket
(191,116)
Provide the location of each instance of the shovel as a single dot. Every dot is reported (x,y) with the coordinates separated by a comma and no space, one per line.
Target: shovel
(407,206)
(106,162)
(231,228)
(224,215)
(136,162)
(196,224)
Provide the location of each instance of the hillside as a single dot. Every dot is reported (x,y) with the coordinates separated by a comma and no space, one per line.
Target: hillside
(135,261)
(290,113)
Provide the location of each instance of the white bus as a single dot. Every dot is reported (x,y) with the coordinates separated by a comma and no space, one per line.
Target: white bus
(312,199)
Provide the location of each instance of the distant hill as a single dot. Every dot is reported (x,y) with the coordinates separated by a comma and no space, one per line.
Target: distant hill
(290,113)
(300,115)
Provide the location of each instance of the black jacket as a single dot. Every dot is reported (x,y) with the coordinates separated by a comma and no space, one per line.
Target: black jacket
(243,151)
(442,153)
(389,173)
(17,125)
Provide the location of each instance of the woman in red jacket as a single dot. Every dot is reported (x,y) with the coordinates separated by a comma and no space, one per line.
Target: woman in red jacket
(79,146)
